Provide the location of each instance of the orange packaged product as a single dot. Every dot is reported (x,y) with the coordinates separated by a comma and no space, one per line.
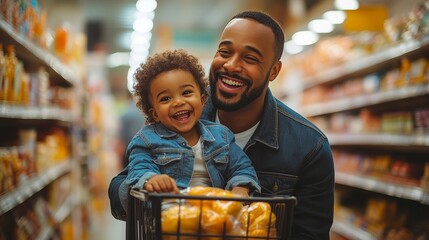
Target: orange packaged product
(258,220)
(203,191)
(185,215)
(39,26)
(9,74)
(213,222)
(220,217)
(2,72)
(61,43)
(419,71)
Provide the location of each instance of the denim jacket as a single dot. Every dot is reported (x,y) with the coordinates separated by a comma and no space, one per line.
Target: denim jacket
(158,150)
(291,156)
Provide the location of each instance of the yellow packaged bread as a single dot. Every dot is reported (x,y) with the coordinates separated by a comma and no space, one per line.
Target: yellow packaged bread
(189,219)
(218,217)
(258,219)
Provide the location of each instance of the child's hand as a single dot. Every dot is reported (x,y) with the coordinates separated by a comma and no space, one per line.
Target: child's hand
(161,183)
(242,191)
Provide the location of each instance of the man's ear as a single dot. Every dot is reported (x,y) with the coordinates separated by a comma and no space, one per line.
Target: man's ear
(275,70)
(153,114)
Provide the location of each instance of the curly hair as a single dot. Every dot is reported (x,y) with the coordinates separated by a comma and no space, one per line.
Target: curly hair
(163,62)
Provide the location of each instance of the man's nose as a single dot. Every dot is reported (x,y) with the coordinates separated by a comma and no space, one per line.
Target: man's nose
(233,64)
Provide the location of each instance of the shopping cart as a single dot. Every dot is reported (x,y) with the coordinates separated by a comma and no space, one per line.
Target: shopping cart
(144,216)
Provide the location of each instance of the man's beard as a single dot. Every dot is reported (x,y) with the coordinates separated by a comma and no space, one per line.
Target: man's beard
(245,99)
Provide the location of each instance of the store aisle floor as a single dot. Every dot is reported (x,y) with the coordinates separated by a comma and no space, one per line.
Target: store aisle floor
(105,227)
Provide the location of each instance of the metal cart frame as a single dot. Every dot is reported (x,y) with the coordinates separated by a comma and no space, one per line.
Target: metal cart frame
(144,216)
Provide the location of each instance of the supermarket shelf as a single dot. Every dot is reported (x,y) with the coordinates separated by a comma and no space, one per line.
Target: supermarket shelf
(366,64)
(65,209)
(34,55)
(45,234)
(37,113)
(31,186)
(379,139)
(351,232)
(60,215)
(380,186)
(362,101)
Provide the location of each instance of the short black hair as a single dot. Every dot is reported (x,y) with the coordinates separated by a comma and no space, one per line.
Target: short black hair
(268,21)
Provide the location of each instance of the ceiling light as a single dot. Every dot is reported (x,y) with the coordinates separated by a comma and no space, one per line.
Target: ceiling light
(140,47)
(146,5)
(346,4)
(320,26)
(141,35)
(148,15)
(305,38)
(139,41)
(143,25)
(291,48)
(139,57)
(335,17)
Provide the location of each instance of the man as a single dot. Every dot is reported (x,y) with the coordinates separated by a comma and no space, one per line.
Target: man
(290,154)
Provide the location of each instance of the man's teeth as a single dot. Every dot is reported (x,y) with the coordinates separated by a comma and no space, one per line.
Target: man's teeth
(232,83)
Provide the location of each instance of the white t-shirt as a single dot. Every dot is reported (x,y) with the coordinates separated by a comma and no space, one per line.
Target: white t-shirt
(242,138)
(200,176)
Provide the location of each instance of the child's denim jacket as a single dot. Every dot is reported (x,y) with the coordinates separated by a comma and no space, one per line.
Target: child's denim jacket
(157,150)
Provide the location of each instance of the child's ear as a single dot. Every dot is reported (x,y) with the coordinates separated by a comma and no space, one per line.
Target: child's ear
(204,98)
(153,114)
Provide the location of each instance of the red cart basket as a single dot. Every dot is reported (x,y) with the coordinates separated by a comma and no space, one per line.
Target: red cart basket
(145,211)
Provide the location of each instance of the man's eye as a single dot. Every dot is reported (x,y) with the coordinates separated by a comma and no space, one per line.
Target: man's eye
(251,59)
(223,52)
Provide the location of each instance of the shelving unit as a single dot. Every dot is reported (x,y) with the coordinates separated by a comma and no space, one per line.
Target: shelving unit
(14,116)
(35,57)
(410,144)
(59,216)
(381,186)
(351,232)
(367,64)
(347,104)
(31,186)
(35,113)
(378,139)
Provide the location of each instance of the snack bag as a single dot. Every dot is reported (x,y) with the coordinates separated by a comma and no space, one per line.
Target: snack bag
(187,216)
(257,220)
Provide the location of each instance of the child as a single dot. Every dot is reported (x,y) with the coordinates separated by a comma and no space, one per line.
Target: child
(177,149)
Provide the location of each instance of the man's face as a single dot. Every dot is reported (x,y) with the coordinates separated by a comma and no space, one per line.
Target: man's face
(241,68)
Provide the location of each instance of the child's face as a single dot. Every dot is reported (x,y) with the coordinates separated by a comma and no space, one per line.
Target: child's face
(176,101)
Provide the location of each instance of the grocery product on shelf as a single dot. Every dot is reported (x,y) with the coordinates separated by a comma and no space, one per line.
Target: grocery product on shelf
(372,104)
(38,161)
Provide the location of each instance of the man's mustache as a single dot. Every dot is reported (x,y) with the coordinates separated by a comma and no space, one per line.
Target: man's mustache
(219,74)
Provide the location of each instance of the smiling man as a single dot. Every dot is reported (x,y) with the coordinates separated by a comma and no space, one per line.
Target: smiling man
(290,155)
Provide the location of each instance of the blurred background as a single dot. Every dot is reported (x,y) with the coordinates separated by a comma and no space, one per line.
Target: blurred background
(357,69)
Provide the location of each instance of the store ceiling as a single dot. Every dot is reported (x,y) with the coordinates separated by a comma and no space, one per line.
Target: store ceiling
(194,24)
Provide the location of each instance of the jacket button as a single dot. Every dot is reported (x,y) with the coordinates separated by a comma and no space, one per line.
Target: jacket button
(275,187)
